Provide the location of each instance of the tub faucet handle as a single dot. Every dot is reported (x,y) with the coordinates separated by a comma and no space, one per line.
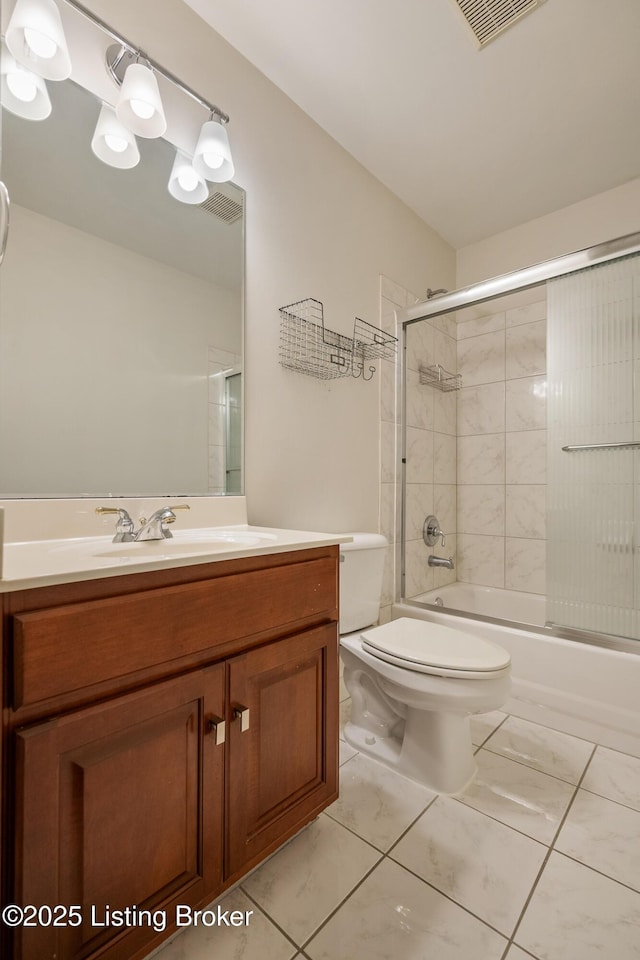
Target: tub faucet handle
(431,531)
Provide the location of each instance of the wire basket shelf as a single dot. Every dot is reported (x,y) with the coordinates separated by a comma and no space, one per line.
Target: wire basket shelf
(372,343)
(308,347)
(436,376)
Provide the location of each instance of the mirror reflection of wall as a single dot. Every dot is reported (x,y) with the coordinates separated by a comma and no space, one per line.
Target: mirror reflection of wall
(113,299)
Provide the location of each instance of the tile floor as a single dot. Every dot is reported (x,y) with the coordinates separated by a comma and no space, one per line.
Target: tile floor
(540,858)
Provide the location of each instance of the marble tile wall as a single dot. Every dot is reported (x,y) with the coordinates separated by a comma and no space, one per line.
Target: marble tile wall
(501,445)
(431,449)
(476,458)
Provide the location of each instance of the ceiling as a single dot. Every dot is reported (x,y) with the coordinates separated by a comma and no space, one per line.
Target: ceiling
(475,141)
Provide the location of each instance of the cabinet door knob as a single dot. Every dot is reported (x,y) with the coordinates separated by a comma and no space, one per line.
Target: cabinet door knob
(242,714)
(217,726)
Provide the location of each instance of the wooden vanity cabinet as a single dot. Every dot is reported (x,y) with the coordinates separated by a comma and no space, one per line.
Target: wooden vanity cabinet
(125,792)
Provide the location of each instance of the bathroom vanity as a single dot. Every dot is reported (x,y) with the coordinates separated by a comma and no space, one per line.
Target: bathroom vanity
(163,731)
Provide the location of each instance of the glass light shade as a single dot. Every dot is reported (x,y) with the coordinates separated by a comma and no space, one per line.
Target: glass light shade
(22,92)
(139,106)
(185,184)
(212,158)
(113,143)
(36,39)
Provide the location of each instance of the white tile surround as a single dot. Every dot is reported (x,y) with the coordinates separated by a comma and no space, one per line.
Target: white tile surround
(476,458)
(539,858)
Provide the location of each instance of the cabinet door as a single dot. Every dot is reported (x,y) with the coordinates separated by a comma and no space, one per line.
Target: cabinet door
(110,812)
(283,767)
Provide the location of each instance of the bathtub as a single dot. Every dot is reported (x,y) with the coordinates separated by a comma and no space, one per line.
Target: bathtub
(582,689)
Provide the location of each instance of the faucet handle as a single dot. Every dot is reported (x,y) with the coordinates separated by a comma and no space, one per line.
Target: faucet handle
(431,531)
(124,526)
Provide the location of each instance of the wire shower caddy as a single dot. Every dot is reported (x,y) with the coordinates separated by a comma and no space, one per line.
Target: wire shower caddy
(436,376)
(308,347)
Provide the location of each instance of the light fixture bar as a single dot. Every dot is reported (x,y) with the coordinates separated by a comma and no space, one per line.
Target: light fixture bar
(211,107)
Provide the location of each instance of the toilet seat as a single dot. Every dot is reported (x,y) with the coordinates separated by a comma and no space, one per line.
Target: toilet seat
(435,649)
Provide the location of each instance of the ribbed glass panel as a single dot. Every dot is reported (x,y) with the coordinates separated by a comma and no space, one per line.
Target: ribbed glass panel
(593,351)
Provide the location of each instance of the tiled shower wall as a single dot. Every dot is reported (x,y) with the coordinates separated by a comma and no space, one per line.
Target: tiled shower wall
(501,448)
(476,458)
(431,448)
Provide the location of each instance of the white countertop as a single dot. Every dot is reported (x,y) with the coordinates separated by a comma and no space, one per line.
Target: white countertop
(37,563)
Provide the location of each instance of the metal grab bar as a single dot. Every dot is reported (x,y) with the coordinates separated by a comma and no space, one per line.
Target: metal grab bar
(631,444)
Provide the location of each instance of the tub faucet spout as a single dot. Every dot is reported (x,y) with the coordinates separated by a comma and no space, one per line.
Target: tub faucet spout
(446,562)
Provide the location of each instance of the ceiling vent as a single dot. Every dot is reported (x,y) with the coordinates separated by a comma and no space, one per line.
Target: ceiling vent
(489,18)
(225,203)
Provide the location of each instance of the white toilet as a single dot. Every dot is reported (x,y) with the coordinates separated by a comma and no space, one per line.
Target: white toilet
(413,684)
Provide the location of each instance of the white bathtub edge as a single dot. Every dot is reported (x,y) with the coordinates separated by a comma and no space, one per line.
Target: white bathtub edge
(573,708)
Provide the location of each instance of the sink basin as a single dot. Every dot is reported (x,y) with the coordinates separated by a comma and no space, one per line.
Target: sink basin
(185,544)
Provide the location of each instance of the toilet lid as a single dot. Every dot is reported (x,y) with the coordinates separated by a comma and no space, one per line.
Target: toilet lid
(434,645)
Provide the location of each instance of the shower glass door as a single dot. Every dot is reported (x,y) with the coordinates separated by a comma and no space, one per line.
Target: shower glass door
(593,343)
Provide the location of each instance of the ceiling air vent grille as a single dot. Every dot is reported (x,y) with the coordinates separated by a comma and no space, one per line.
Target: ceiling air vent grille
(488,18)
(223,207)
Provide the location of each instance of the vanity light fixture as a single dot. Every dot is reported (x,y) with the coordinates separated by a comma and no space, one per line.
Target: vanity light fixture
(22,92)
(185,184)
(36,39)
(139,106)
(113,143)
(38,49)
(212,157)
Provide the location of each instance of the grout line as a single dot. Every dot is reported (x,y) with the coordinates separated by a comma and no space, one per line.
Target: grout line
(607,876)
(550,850)
(353,832)
(521,763)
(341,904)
(448,897)
(610,799)
(271,920)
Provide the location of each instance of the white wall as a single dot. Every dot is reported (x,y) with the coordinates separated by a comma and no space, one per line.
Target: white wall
(605,216)
(318,225)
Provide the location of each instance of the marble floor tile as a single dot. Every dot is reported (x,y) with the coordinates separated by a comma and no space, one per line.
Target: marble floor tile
(615,776)
(346,752)
(483,865)
(483,725)
(258,940)
(541,748)
(395,916)
(305,881)
(577,914)
(376,802)
(515,953)
(519,796)
(603,835)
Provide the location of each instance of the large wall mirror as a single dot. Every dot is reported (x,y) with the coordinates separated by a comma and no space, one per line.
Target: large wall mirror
(120,319)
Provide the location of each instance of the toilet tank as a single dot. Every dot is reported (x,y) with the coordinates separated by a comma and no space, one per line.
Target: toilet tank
(361,569)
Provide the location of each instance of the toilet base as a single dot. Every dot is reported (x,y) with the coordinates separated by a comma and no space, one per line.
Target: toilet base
(434,749)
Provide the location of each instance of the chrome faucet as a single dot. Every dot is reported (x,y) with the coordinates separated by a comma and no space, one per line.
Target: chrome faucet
(155,528)
(124,525)
(431,533)
(446,562)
